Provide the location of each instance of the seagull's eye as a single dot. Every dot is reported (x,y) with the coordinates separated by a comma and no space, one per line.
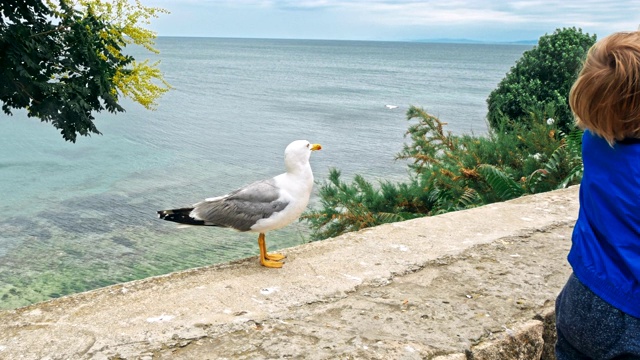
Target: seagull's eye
(308,144)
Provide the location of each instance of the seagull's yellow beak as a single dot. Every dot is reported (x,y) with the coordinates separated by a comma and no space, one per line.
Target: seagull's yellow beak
(316,147)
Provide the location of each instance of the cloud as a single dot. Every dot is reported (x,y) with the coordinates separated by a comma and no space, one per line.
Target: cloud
(397,19)
(430,13)
(508,12)
(306,5)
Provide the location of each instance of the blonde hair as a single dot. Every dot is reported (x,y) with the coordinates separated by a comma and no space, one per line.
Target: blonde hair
(606,96)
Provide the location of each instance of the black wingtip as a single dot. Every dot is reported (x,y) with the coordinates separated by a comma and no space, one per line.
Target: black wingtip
(180,216)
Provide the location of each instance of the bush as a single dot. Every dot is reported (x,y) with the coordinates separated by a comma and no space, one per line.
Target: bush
(540,81)
(450,173)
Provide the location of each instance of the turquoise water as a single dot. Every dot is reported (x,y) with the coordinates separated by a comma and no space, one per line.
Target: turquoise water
(80,216)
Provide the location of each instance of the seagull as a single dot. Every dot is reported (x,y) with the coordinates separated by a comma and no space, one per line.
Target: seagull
(261,206)
(391,107)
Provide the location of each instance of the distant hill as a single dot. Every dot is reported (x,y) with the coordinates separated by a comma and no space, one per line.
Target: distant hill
(525,42)
(469,41)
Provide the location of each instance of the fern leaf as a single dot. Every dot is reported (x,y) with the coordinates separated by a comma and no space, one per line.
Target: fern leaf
(505,187)
(469,198)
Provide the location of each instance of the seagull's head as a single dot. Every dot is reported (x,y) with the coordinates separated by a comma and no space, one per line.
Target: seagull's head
(298,152)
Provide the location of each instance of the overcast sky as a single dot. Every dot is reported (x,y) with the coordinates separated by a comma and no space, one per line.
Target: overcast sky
(485,20)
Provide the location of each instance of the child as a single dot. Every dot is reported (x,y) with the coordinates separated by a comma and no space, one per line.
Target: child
(598,311)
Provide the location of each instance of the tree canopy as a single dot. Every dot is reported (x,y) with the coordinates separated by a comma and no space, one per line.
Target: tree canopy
(63,60)
(540,81)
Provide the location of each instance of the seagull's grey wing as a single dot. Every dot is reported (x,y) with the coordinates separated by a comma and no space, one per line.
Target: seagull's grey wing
(242,208)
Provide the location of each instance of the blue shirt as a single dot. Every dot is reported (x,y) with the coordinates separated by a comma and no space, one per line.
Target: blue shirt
(605,251)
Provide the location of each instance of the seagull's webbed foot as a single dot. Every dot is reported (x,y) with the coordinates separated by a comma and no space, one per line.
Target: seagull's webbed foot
(268,260)
(270,263)
(275,257)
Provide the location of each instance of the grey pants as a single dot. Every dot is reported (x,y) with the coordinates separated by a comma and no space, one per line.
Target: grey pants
(590,328)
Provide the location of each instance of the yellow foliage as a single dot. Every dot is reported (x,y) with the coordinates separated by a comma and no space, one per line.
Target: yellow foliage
(141,81)
(137,83)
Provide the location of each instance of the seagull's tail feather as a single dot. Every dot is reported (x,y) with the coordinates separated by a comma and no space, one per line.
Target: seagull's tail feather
(180,216)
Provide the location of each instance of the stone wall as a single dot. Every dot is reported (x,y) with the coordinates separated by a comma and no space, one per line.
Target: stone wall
(474,284)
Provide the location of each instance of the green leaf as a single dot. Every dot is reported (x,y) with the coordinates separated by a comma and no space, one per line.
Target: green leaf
(505,187)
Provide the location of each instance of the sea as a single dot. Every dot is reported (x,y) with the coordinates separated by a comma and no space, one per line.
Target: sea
(78,216)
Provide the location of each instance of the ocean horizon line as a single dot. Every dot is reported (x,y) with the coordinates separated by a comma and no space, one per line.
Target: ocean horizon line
(428,40)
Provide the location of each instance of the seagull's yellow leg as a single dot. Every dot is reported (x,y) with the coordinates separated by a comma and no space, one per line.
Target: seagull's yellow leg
(272,256)
(267,260)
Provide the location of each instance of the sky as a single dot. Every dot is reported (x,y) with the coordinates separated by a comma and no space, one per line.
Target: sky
(392,20)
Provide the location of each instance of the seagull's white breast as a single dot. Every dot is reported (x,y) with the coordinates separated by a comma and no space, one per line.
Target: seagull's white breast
(295,189)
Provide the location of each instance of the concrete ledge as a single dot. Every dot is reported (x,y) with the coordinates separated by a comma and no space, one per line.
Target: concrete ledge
(454,286)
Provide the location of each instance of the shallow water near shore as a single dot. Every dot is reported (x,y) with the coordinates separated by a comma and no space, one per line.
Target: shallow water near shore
(81,216)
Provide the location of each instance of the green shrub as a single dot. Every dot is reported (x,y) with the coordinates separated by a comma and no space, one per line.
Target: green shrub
(349,207)
(450,173)
(541,80)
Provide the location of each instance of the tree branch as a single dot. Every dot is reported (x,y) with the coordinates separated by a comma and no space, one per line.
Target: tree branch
(58,28)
